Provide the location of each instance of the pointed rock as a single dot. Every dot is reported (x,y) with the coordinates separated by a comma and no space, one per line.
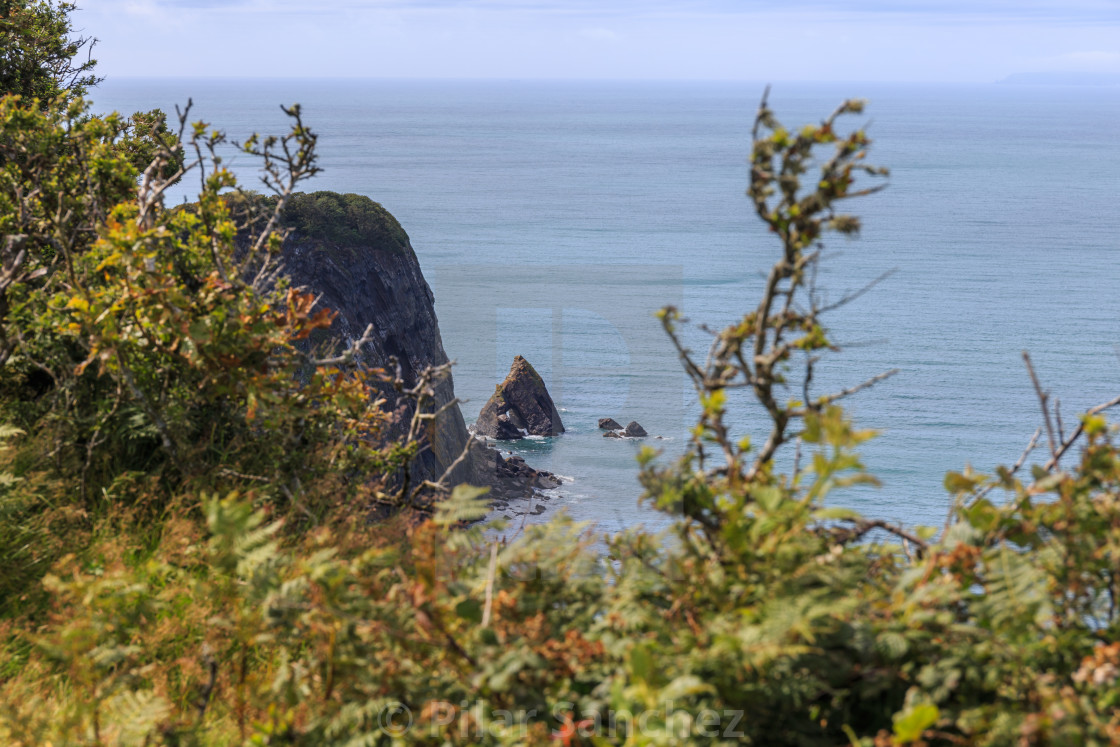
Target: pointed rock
(633,430)
(524,402)
(609,424)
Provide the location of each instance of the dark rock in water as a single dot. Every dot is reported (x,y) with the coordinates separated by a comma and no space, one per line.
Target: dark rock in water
(525,402)
(505,430)
(547,480)
(508,478)
(633,430)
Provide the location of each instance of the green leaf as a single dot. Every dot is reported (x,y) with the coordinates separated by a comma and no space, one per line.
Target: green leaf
(470,610)
(836,512)
(9,431)
(642,665)
(200,331)
(982,515)
(926,533)
(955,482)
(893,645)
(911,723)
(684,686)
(1094,424)
(769,497)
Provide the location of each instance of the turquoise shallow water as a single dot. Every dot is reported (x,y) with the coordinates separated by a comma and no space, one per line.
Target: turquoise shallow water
(552,219)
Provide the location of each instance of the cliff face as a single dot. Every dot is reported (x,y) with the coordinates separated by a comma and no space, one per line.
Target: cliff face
(353,252)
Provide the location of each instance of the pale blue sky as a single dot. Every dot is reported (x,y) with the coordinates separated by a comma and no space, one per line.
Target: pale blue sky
(772,40)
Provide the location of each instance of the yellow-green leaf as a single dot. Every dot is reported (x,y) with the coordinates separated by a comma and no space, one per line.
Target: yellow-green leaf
(911,723)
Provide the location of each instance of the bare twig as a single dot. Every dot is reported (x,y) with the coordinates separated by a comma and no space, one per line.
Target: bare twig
(284,169)
(153,182)
(458,460)
(1042,401)
(1058,419)
(796,458)
(207,691)
(153,413)
(848,298)
(347,356)
(863,526)
(241,475)
(808,380)
(11,272)
(1031,446)
(830,398)
(490,585)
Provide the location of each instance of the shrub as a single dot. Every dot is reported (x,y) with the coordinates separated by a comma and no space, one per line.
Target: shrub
(186,558)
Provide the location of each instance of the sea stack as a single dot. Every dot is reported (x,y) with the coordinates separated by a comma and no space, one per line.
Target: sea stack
(521,404)
(634,430)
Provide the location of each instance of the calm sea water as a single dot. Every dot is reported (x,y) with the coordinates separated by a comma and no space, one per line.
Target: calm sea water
(553,219)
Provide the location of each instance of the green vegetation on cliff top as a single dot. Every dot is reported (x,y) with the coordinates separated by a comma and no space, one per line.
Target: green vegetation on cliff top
(347,220)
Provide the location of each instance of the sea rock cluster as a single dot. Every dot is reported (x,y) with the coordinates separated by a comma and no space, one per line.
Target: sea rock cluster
(614,430)
(510,478)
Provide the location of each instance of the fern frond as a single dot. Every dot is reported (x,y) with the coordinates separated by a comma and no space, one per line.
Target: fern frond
(465,505)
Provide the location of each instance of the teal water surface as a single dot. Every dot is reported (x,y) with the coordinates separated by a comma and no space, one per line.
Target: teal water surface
(553,219)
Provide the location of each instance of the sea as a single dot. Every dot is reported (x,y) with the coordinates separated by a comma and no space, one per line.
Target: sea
(553,219)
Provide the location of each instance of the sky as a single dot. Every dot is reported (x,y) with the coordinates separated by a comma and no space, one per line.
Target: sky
(974,41)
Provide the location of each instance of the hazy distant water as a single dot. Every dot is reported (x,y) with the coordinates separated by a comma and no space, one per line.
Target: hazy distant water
(552,219)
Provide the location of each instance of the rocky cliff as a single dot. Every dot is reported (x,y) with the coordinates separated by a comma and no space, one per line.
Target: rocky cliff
(354,253)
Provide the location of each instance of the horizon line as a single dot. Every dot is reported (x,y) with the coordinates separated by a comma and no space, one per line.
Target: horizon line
(550,79)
